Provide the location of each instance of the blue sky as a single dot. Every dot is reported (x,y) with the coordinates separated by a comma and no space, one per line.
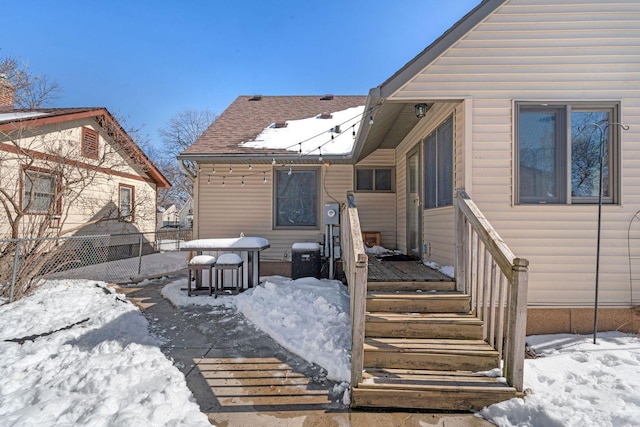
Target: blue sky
(148,60)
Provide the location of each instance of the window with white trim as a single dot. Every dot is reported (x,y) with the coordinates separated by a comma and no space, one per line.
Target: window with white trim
(558,151)
(296,198)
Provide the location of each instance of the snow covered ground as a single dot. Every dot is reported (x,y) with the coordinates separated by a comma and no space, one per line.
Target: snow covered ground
(76,353)
(577,383)
(307,316)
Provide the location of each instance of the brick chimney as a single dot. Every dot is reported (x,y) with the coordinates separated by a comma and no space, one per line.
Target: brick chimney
(7,94)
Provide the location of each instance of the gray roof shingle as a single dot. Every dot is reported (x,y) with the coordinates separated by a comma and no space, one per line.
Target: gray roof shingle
(245,118)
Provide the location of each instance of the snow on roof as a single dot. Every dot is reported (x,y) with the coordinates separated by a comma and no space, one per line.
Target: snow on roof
(5,117)
(310,133)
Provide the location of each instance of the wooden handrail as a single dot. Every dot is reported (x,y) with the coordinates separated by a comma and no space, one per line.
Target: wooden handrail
(355,265)
(479,250)
(489,236)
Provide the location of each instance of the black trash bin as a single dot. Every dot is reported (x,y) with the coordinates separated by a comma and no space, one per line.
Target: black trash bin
(305,260)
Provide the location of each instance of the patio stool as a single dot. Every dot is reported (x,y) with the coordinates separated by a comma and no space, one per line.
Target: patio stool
(201,263)
(228,262)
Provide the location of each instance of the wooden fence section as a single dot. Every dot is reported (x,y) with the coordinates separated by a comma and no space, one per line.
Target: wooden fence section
(355,268)
(487,270)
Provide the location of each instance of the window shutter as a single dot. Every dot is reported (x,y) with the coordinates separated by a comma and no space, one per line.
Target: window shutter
(90,143)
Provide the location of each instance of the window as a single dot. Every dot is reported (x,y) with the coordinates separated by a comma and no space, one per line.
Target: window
(558,152)
(438,161)
(374,179)
(90,140)
(296,198)
(39,192)
(126,202)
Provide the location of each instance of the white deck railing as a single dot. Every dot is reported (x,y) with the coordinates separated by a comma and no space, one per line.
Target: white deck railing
(354,262)
(496,280)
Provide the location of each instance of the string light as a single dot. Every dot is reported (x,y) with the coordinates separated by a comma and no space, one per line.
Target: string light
(300,152)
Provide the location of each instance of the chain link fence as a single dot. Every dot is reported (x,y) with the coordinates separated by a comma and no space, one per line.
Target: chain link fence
(116,258)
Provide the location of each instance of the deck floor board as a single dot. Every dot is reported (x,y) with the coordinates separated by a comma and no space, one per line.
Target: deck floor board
(403,271)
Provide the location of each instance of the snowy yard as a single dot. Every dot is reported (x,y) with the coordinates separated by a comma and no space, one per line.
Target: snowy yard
(77,353)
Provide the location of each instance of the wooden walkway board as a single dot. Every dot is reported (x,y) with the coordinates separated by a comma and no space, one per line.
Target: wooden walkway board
(403,271)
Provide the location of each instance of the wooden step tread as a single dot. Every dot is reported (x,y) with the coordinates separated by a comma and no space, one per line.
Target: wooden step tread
(426,345)
(457,398)
(406,378)
(439,318)
(424,286)
(417,295)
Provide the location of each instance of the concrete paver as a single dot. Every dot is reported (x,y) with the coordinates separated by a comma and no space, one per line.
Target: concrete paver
(241,377)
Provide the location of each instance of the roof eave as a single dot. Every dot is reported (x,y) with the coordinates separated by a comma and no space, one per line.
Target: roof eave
(260,158)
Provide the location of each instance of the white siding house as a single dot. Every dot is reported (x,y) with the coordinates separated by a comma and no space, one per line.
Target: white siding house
(530,85)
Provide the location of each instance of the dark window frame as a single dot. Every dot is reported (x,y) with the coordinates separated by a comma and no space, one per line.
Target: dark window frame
(282,172)
(439,166)
(564,156)
(374,171)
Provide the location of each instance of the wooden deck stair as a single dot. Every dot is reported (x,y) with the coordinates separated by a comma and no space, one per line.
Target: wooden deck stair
(423,349)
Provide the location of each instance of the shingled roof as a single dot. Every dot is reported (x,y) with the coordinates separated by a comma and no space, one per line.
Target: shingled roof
(248,116)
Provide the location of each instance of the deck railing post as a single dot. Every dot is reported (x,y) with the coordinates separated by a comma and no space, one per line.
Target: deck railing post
(357,271)
(460,237)
(517,324)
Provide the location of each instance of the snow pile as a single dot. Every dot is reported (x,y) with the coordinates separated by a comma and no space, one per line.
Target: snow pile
(447,270)
(307,316)
(577,383)
(74,353)
(377,250)
(309,134)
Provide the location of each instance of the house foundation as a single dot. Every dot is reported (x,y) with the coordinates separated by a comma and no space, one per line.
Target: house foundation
(580,320)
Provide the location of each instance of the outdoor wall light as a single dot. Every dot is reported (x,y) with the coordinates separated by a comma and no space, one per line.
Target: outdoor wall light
(421,110)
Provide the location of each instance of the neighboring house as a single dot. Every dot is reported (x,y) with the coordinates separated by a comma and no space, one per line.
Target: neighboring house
(71,170)
(512,105)
(170,216)
(185,215)
(182,217)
